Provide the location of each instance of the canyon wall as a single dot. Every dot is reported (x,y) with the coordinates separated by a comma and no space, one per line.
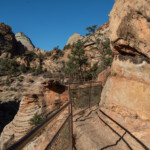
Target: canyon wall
(127,91)
(7,41)
(42,98)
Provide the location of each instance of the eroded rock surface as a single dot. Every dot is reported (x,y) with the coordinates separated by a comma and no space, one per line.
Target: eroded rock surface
(25,41)
(40,98)
(94,130)
(127,91)
(7,41)
(74,38)
(103,76)
(130,27)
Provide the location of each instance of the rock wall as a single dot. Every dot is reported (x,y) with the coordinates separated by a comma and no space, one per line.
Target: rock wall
(74,38)
(43,98)
(7,41)
(127,91)
(24,40)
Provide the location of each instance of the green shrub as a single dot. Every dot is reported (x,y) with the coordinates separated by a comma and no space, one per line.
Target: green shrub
(23,68)
(67,46)
(38,71)
(49,53)
(36,120)
(47,75)
(21,78)
(9,66)
(30,56)
(107,57)
(31,81)
(8,81)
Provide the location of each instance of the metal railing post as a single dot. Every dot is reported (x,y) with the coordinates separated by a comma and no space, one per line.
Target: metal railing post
(29,136)
(71,119)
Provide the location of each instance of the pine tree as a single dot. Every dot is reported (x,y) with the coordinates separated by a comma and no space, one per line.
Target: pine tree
(78,61)
(95,38)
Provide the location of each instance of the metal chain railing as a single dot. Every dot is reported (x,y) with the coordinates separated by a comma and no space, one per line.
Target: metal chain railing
(85,96)
(79,98)
(27,138)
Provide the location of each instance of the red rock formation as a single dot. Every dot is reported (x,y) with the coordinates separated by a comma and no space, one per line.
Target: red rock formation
(42,98)
(129,84)
(7,41)
(24,40)
(103,76)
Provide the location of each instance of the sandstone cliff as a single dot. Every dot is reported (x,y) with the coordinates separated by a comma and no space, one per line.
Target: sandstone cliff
(128,88)
(25,41)
(91,51)
(7,41)
(42,97)
(74,38)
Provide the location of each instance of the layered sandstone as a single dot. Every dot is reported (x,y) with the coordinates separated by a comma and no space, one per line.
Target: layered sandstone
(103,76)
(42,98)
(127,91)
(130,26)
(24,40)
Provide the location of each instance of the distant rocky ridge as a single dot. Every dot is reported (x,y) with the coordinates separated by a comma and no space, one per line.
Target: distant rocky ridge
(94,55)
(21,44)
(103,30)
(74,38)
(25,41)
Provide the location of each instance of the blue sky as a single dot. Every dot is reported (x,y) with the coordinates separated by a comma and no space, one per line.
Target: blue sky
(49,23)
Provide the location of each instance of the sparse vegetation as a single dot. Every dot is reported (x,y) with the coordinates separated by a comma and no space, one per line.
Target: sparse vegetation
(38,71)
(48,54)
(96,38)
(78,66)
(8,80)
(78,61)
(23,68)
(9,67)
(31,81)
(107,56)
(36,120)
(47,75)
(92,73)
(67,46)
(29,56)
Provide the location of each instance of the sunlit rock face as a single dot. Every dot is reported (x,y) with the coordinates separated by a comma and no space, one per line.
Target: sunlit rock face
(130,26)
(128,87)
(74,38)
(7,41)
(24,40)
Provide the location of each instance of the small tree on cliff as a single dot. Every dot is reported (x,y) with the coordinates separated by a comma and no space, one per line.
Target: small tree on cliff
(94,38)
(78,61)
